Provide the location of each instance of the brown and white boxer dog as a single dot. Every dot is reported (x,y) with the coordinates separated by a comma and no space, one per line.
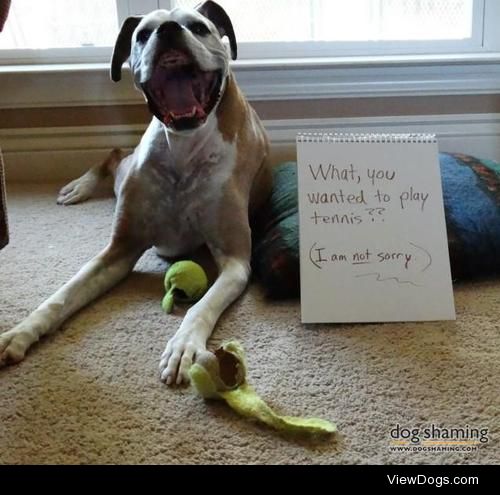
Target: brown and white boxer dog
(197,175)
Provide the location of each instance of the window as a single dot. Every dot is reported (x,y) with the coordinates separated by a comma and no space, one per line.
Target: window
(360,20)
(76,30)
(65,31)
(35,24)
(301,28)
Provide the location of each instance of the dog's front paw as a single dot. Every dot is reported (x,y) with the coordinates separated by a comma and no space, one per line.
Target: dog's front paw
(178,357)
(78,190)
(13,346)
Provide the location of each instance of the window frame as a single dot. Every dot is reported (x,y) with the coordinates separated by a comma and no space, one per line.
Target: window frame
(86,80)
(76,55)
(287,50)
(485,39)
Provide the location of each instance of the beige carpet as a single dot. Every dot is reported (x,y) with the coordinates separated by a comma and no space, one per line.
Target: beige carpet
(91,392)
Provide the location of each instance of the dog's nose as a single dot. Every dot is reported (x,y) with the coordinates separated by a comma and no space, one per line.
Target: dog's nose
(169,29)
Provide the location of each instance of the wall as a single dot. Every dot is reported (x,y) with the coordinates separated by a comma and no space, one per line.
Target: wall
(57,144)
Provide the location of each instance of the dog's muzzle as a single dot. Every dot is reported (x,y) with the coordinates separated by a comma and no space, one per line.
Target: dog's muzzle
(179,93)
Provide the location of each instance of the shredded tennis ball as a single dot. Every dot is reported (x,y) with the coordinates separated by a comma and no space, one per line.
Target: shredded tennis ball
(185,281)
(222,375)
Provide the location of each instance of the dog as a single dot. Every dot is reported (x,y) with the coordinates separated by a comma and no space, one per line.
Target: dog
(199,173)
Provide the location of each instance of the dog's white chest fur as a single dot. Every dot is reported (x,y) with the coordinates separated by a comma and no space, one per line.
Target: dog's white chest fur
(185,178)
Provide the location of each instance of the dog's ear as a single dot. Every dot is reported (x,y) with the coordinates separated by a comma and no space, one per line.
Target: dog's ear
(123,46)
(218,16)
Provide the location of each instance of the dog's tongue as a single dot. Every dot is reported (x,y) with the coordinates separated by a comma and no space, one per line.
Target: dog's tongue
(178,94)
(180,99)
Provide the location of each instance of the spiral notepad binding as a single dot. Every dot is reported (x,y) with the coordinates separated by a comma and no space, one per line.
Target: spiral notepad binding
(326,137)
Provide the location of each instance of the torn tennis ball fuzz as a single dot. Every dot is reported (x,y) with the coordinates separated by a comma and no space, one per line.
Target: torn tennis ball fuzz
(222,375)
(185,282)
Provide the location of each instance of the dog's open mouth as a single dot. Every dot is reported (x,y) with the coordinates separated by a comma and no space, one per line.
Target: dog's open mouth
(179,93)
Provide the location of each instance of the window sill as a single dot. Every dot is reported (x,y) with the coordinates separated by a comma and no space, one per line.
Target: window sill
(69,85)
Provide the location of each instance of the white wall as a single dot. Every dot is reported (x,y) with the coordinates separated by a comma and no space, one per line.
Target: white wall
(62,153)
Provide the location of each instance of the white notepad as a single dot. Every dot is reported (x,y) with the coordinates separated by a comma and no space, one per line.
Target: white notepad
(373,243)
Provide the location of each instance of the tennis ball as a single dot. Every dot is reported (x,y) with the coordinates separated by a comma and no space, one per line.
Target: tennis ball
(185,281)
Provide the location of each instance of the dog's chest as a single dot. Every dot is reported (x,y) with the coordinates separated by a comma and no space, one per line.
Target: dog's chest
(184,189)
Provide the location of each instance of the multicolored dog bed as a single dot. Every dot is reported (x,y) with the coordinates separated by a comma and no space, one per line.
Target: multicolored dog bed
(471,191)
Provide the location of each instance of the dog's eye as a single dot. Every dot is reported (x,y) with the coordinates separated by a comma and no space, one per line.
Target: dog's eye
(199,28)
(143,35)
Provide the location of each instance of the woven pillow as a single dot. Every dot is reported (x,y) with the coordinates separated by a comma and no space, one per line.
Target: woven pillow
(471,192)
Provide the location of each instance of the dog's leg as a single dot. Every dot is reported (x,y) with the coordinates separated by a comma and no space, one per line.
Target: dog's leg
(200,320)
(85,186)
(231,249)
(93,279)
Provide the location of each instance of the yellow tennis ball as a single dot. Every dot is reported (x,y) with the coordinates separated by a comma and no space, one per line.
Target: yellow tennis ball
(185,281)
